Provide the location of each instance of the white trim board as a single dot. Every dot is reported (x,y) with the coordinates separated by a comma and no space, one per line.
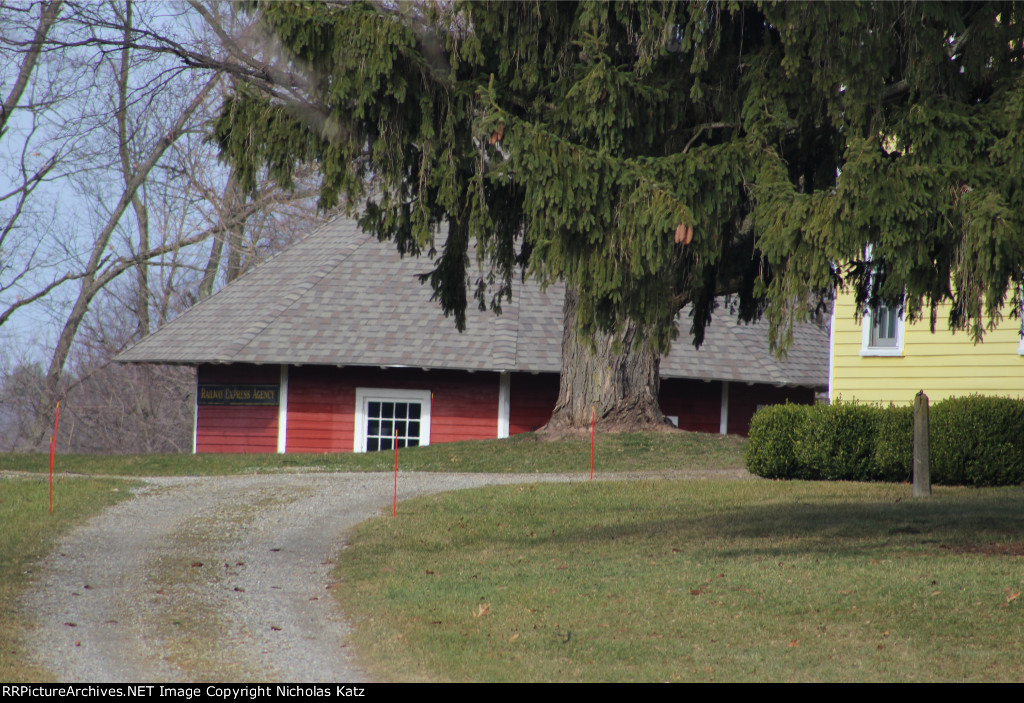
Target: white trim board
(504,403)
(282,412)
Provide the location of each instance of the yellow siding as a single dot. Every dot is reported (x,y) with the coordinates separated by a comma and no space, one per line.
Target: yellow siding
(941,364)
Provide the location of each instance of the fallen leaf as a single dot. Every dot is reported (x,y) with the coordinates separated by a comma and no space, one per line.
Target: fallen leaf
(482,610)
(196,564)
(514,637)
(1013,596)
(71,624)
(794,643)
(275,628)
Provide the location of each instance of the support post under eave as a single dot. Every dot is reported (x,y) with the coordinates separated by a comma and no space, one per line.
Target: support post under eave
(504,403)
(723,417)
(195,416)
(282,412)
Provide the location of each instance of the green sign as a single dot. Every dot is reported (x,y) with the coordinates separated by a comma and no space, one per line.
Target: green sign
(237,394)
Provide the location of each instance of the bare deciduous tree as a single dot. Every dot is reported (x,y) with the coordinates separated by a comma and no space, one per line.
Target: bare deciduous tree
(113,205)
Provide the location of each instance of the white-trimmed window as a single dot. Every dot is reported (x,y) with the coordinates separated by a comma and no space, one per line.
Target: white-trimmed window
(1020,346)
(385,416)
(882,329)
(882,332)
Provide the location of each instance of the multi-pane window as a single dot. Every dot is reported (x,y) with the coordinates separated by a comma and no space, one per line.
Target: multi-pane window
(388,422)
(387,416)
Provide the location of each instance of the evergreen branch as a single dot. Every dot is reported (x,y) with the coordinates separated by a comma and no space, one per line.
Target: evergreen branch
(699,129)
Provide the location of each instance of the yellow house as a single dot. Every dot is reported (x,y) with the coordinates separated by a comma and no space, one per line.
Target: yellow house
(883,359)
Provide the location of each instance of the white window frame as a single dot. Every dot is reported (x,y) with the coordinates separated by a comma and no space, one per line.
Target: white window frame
(366,395)
(868,321)
(1020,344)
(867,349)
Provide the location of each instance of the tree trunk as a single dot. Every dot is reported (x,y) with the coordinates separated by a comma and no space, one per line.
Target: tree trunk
(614,378)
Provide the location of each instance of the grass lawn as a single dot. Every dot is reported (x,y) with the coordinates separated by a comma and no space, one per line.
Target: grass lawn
(653,580)
(519,454)
(27,533)
(692,581)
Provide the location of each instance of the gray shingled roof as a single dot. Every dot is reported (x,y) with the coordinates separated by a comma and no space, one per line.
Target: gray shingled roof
(341,297)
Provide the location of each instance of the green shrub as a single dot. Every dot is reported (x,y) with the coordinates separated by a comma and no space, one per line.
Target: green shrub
(773,431)
(977,441)
(838,441)
(894,444)
(974,441)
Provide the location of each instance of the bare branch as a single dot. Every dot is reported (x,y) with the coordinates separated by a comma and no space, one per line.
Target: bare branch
(47,17)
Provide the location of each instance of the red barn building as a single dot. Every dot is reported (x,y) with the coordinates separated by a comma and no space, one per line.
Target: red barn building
(333,346)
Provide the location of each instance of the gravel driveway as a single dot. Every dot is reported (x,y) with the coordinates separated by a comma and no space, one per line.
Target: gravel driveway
(216,578)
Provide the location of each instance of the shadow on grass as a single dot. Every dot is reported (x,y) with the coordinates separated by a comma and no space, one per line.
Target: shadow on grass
(832,519)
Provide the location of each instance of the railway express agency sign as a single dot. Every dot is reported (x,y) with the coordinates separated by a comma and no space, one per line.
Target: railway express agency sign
(237,394)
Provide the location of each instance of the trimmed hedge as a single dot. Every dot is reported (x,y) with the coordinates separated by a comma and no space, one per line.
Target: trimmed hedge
(974,441)
(838,441)
(894,444)
(773,433)
(977,441)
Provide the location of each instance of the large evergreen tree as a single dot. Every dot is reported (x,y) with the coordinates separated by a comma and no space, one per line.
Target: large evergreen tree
(653,155)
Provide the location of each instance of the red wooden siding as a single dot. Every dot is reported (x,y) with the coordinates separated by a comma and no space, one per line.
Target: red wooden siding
(234,428)
(698,404)
(322,403)
(321,409)
(744,399)
(533,397)
(465,406)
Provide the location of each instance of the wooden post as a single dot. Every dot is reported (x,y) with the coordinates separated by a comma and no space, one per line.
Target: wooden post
(922,476)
